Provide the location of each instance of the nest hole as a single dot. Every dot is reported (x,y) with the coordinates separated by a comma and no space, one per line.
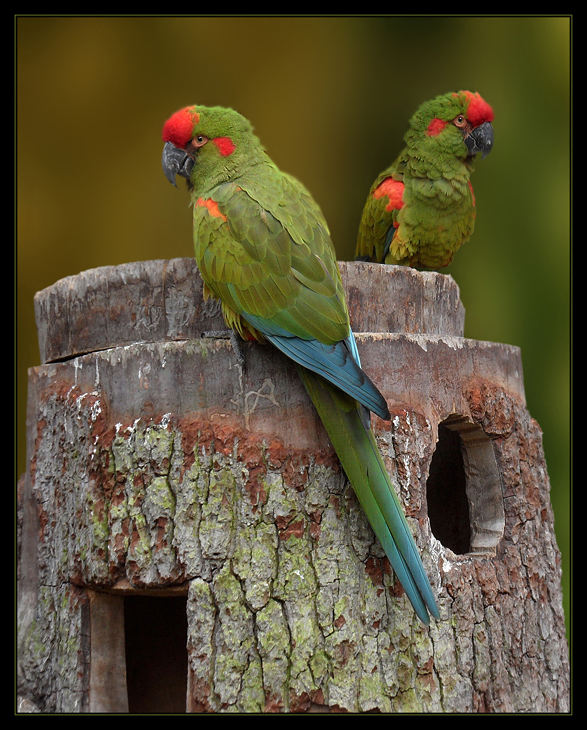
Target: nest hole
(465,500)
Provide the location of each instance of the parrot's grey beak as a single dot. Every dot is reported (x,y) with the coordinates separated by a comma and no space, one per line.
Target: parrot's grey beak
(480,140)
(176,162)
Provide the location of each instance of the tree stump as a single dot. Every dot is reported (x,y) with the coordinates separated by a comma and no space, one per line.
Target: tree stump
(188,541)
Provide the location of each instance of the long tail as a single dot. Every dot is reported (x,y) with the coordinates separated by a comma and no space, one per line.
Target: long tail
(357,450)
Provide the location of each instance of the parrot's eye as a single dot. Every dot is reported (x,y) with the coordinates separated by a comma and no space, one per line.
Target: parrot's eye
(198,141)
(461,122)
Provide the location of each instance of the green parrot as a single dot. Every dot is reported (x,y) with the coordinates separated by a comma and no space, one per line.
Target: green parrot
(421,209)
(264,250)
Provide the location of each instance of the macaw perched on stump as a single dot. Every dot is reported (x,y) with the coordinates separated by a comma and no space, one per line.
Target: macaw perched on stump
(421,209)
(264,250)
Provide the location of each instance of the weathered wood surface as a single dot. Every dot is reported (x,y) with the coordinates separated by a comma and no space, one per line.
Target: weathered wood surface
(156,463)
(159,301)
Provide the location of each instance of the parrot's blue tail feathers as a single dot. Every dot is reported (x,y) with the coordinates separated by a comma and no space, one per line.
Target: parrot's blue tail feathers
(360,457)
(339,363)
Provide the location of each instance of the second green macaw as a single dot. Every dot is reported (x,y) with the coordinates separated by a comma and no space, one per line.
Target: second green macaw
(264,250)
(421,209)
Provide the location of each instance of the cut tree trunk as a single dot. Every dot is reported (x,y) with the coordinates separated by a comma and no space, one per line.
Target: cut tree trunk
(188,541)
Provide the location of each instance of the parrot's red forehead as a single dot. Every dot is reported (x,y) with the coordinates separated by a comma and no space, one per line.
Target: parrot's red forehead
(179,128)
(478,110)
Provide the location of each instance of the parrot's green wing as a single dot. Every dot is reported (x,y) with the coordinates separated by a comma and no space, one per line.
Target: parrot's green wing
(379,218)
(277,271)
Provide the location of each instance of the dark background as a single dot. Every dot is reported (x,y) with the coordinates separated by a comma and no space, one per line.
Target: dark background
(330,97)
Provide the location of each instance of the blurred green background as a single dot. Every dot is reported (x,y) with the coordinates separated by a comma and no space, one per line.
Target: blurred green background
(330,97)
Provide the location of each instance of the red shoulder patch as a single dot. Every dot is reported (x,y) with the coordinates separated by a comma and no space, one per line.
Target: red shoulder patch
(393,191)
(212,207)
(472,193)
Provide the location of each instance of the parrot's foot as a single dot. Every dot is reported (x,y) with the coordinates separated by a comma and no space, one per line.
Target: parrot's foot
(234,341)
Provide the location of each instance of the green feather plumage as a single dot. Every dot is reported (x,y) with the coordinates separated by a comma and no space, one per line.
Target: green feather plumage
(279,266)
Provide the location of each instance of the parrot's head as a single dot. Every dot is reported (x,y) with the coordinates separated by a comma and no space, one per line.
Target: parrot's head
(207,145)
(456,124)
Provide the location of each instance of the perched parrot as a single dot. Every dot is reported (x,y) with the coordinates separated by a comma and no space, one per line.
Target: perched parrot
(421,209)
(264,250)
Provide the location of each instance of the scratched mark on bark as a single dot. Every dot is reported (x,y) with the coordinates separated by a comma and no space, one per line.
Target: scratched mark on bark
(250,399)
(180,309)
(148,316)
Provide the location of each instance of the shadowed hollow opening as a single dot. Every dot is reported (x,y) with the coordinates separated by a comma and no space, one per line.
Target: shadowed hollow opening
(155,631)
(465,502)
(446,489)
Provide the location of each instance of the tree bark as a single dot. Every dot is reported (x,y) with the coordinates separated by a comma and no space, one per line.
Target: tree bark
(158,467)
